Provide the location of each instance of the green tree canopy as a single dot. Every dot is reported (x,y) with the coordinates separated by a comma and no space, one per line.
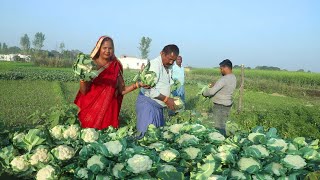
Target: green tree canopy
(4,48)
(61,47)
(25,42)
(144,47)
(38,41)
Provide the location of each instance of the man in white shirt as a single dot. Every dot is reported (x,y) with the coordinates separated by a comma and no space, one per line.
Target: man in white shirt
(178,74)
(151,102)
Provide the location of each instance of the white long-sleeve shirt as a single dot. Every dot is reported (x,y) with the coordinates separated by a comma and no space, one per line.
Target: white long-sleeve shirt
(163,82)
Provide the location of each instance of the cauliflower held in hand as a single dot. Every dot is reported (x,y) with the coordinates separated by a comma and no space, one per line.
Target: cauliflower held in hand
(40,155)
(57,132)
(63,152)
(139,164)
(89,135)
(72,132)
(249,165)
(114,147)
(47,172)
(19,164)
(294,162)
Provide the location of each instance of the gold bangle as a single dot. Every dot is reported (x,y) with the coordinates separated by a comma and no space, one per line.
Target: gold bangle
(165,99)
(137,85)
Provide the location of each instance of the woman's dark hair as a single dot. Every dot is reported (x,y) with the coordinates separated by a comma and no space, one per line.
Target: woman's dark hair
(104,40)
(171,48)
(226,63)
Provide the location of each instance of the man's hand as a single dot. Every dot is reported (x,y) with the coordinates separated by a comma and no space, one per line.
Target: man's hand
(144,86)
(170,104)
(211,85)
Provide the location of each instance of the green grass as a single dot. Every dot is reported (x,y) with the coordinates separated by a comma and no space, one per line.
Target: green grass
(19,99)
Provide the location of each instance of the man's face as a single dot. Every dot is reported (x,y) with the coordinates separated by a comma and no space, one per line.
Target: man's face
(223,70)
(168,59)
(179,61)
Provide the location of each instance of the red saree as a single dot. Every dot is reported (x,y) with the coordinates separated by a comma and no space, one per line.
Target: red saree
(100,107)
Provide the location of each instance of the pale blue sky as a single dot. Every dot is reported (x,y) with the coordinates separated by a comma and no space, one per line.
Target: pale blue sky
(282,33)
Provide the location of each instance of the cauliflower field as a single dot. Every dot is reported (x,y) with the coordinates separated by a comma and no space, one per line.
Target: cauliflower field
(186,150)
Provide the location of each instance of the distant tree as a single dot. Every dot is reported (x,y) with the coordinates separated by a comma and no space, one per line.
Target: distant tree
(25,42)
(61,47)
(300,70)
(39,38)
(4,48)
(144,47)
(0,48)
(268,68)
(14,50)
(54,53)
(236,67)
(309,71)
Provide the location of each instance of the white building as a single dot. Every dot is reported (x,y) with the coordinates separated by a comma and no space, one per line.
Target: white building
(129,62)
(11,57)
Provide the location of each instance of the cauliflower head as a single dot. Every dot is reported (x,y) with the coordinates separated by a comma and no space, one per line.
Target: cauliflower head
(89,135)
(249,165)
(19,164)
(40,155)
(168,155)
(63,152)
(175,128)
(188,139)
(46,173)
(139,164)
(57,132)
(116,169)
(72,132)
(294,162)
(216,137)
(114,147)
(192,152)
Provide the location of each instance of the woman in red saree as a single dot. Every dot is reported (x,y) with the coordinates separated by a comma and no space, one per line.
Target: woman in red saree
(100,100)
